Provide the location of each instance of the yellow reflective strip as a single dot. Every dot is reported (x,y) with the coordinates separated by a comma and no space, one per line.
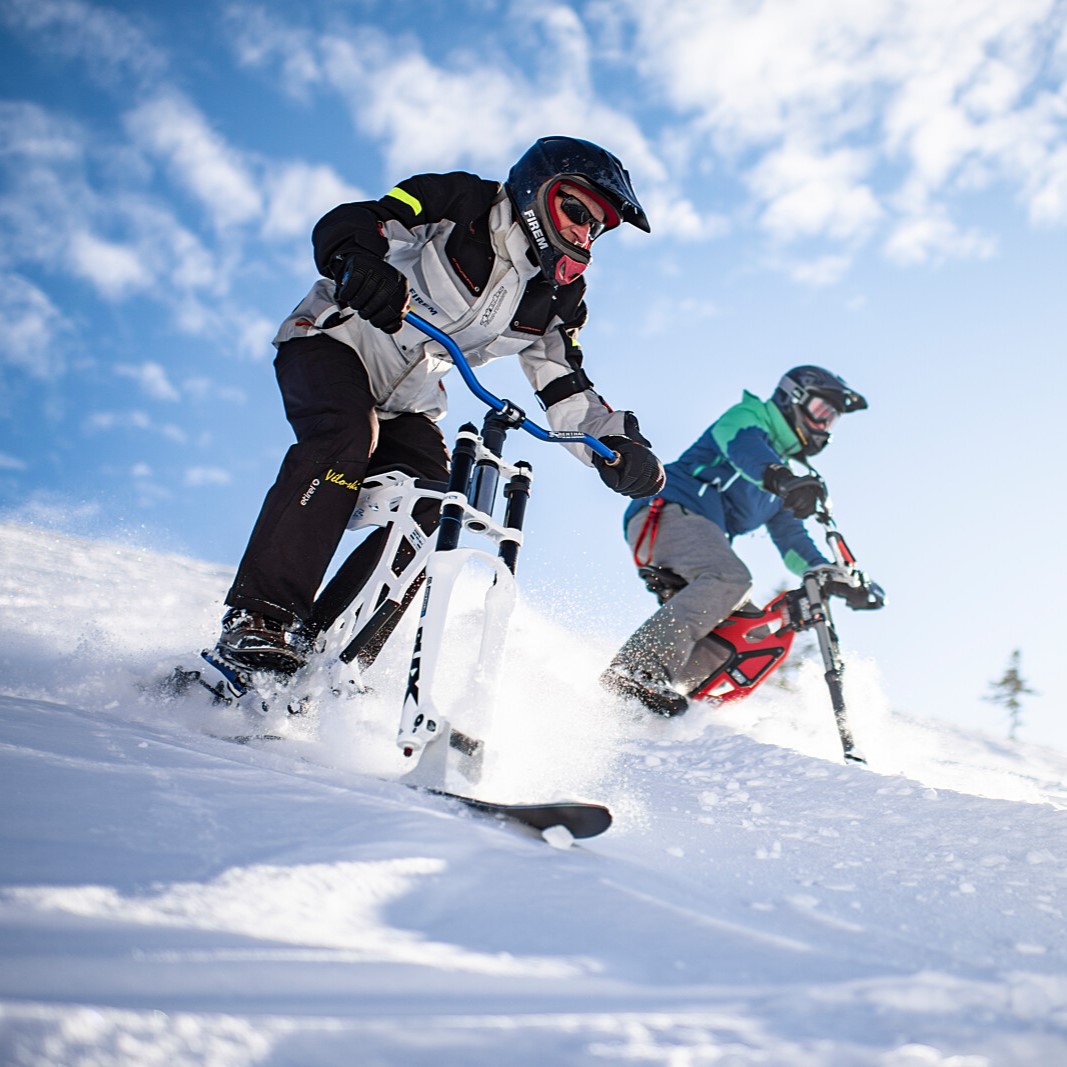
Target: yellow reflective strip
(406,198)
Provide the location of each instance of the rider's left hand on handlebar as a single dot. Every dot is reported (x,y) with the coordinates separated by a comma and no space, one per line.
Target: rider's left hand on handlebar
(851,584)
(869,596)
(635,471)
(832,572)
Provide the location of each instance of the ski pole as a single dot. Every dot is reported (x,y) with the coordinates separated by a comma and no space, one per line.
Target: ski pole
(513,414)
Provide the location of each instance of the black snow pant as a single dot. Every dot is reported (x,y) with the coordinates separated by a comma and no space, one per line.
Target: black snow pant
(339,438)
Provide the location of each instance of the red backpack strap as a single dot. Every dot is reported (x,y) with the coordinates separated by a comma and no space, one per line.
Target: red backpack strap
(649,530)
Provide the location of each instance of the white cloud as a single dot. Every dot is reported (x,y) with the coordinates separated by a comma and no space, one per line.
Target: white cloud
(672,215)
(254,336)
(900,106)
(751,72)
(822,271)
(11,463)
(66,212)
(210,389)
(198,477)
(61,210)
(1045,186)
(299,194)
(172,129)
(152,379)
(475,112)
(662,315)
(149,489)
(112,420)
(287,51)
(174,433)
(31,134)
(807,192)
(429,118)
(114,269)
(932,237)
(44,190)
(109,421)
(33,329)
(110,44)
(470,108)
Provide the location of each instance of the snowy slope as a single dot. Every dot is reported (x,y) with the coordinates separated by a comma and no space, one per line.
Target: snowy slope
(170,898)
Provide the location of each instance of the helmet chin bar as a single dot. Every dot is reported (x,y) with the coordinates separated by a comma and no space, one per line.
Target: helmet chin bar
(812,441)
(561,261)
(568,270)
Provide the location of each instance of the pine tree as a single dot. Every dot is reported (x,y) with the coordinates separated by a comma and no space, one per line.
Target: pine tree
(1007,690)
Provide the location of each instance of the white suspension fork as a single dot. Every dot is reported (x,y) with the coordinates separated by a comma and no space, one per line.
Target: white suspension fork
(422,720)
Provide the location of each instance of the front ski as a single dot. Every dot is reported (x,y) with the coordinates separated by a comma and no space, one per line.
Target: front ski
(581,819)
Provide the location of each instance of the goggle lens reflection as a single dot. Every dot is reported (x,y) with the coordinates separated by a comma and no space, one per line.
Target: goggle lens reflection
(580,215)
(820,413)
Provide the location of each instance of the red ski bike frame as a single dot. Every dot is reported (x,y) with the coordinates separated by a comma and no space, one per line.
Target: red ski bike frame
(755,642)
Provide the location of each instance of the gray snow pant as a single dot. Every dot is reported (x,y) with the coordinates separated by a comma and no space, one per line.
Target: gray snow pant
(718,582)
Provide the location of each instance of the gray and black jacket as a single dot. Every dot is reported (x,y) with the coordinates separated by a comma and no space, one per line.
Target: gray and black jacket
(455,238)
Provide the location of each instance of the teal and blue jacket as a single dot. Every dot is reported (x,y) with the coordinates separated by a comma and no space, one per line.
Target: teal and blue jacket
(720,476)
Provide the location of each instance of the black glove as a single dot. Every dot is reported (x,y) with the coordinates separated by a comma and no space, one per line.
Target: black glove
(868,596)
(852,586)
(374,288)
(802,493)
(636,471)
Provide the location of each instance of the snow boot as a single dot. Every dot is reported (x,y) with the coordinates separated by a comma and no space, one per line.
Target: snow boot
(648,683)
(251,641)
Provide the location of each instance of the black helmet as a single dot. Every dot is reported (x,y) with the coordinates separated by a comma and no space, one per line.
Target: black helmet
(811,399)
(537,175)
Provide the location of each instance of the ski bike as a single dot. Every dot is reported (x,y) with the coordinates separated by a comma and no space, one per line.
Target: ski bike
(748,646)
(352,619)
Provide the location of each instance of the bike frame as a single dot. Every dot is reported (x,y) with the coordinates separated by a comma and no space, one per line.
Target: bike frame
(411,559)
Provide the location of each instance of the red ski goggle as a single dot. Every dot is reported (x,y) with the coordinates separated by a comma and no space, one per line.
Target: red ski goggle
(820,413)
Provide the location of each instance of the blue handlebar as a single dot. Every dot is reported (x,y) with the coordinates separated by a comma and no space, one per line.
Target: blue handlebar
(569,437)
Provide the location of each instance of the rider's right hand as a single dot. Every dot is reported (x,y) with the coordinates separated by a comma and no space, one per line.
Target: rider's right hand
(801,493)
(373,288)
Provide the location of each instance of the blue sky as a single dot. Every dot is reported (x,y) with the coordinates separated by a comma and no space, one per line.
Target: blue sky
(878,188)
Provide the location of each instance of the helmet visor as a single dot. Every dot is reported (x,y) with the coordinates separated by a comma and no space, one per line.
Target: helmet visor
(820,413)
